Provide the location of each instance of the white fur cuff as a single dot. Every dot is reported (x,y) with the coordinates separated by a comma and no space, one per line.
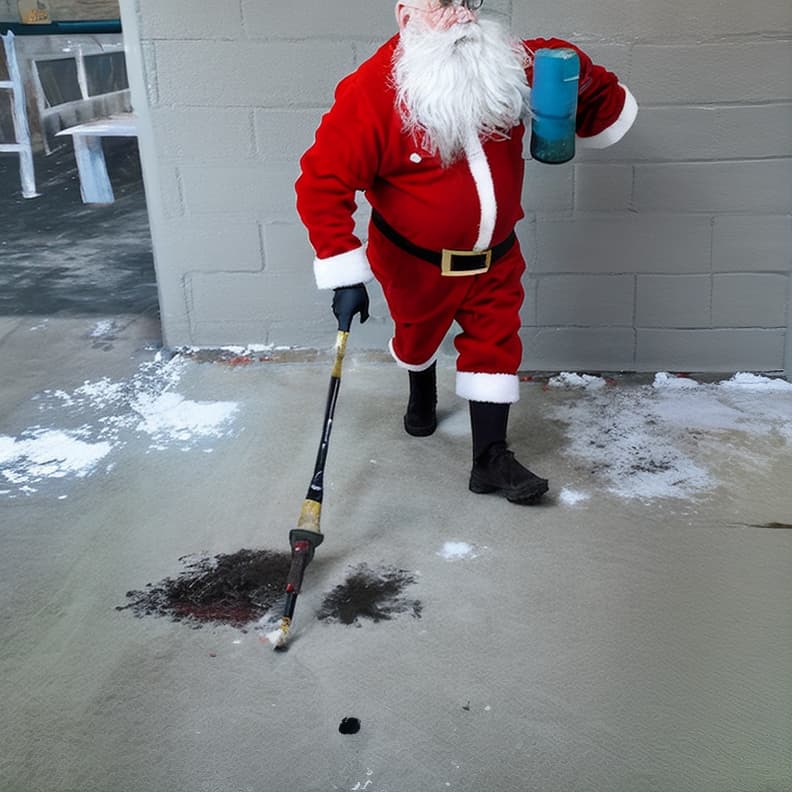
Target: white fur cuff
(345,269)
(618,129)
(410,366)
(498,388)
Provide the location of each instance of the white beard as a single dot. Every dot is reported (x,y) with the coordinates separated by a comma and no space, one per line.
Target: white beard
(459,84)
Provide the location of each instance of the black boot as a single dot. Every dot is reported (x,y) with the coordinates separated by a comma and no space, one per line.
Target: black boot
(420,420)
(494,467)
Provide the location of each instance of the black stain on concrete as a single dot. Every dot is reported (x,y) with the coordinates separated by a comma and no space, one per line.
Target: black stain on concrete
(367,593)
(773,526)
(349,726)
(234,589)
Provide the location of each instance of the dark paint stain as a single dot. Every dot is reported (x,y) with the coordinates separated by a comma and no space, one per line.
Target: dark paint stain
(231,589)
(374,594)
(349,726)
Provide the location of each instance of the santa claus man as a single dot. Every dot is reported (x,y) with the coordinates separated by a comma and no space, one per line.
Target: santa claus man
(430,128)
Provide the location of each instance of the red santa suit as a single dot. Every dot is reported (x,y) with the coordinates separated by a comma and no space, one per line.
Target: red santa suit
(472,204)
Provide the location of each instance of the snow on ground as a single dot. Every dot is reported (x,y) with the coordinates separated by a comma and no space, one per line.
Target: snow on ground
(653,441)
(107,413)
(570,497)
(170,417)
(664,380)
(103,328)
(755,382)
(48,454)
(568,379)
(649,441)
(455,551)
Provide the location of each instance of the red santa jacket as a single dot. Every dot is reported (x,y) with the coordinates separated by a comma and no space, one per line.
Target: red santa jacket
(360,145)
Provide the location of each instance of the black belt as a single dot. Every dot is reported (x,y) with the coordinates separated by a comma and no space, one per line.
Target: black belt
(451,262)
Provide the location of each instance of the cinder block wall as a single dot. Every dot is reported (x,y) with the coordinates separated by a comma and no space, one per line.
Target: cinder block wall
(672,250)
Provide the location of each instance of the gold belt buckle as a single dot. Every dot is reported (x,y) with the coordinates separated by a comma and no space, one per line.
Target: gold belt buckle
(447,260)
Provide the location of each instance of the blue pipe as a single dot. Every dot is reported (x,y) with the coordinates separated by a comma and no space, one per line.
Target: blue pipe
(87,27)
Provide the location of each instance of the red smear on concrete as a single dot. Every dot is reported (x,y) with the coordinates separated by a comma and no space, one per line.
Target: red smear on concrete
(234,589)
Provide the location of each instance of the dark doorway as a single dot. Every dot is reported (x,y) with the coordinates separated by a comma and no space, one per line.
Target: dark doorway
(59,256)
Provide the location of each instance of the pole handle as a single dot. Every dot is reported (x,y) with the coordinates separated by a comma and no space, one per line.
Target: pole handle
(340,350)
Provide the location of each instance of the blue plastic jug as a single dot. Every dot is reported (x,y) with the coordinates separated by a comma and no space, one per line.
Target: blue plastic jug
(554,93)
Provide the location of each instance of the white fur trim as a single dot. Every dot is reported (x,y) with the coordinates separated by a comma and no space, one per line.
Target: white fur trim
(345,269)
(498,388)
(482,176)
(618,129)
(409,366)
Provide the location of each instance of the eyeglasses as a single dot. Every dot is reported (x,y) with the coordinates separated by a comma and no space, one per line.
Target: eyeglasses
(471,5)
(440,5)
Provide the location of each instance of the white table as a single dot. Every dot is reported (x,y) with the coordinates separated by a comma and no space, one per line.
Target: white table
(95,185)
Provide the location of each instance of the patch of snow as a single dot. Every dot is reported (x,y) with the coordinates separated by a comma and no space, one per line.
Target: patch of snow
(169,416)
(697,409)
(654,441)
(570,497)
(100,394)
(103,328)
(664,380)
(755,382)
(235,349)
(146,404)
(454,551)
(567,379)
(46,454)
(618,437)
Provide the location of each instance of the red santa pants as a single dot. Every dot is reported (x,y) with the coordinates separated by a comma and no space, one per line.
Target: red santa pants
(424,303)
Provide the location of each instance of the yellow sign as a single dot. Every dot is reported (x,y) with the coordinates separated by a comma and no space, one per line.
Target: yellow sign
(34,12)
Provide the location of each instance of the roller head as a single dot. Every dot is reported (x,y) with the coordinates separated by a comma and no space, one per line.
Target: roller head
(279,635)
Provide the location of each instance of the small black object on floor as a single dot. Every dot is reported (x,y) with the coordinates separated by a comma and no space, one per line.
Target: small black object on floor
(349,726)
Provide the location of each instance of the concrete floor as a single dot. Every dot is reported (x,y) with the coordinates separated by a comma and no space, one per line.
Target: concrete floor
(615,644)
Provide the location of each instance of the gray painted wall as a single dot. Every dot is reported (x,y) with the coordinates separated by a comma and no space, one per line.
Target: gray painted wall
(671,250)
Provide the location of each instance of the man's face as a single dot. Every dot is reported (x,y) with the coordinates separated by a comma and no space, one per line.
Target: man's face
(436,14)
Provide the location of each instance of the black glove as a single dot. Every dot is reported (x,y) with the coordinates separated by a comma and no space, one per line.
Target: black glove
(349,300)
